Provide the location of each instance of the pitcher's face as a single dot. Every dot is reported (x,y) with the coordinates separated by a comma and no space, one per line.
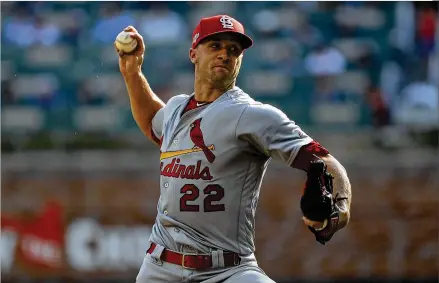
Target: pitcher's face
(218,58)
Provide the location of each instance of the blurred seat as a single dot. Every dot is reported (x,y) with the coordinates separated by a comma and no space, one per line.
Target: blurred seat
(7,69)
(67,19)
(48,56)
(360,17)
(22,119)
(335,113)
(352,48)
(34,85)
(273,52)
(266,83)
(352,82)
(291,18)
(418,106)
(420,118)
(109,86)
(96,118)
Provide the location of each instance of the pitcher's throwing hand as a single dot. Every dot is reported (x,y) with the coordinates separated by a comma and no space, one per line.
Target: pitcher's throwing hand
(131,63)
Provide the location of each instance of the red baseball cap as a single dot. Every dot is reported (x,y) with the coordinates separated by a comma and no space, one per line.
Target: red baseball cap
(219,24)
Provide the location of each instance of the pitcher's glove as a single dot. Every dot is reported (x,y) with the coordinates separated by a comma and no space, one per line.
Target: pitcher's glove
(317,202)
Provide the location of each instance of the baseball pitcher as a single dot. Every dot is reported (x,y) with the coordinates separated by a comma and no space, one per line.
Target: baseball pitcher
(215,145)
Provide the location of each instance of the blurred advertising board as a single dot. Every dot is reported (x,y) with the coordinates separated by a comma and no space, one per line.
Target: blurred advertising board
(79,224)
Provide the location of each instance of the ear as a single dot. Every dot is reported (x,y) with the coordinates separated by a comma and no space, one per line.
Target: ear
(193,55)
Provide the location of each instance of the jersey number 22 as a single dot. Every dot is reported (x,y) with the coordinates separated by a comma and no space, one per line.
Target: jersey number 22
(191,193)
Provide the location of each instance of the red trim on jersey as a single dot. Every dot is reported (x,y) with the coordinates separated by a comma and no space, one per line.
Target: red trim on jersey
(192,104)
(307,153)
(155,138)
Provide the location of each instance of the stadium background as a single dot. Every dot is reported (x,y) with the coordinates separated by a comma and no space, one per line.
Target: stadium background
(80,182)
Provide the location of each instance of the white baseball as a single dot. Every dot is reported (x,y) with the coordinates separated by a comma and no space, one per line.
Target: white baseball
(125,42)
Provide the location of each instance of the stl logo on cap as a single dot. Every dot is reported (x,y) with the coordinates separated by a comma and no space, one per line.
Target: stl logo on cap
(217,24)
(226,22)
(196,37)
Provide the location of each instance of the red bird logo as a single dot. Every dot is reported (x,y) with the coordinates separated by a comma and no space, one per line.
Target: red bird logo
(197,138)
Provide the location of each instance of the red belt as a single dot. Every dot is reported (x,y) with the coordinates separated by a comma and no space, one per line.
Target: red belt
(195,261)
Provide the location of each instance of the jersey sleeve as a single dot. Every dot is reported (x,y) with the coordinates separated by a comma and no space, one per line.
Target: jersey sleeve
(159,119)
(271,132)
(307,153)
(157,123)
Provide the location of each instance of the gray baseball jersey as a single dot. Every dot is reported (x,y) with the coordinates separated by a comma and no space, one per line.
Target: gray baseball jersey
(212,161)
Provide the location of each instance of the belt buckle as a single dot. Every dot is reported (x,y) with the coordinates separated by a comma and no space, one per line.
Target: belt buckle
(182,262)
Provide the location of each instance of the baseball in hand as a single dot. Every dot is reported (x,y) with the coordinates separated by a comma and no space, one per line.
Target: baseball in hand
(124,42)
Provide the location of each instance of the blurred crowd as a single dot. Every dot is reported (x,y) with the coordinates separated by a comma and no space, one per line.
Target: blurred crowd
(343,63)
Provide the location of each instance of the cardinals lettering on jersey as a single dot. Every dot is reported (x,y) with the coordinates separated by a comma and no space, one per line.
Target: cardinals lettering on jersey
(193,172)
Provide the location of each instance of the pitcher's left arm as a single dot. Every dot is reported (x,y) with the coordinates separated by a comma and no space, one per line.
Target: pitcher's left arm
(273,134)
(340,189)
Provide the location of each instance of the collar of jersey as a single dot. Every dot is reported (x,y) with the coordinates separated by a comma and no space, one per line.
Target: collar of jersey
(233,90)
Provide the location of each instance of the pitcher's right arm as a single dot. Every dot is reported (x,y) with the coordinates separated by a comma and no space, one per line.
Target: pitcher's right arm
(144,102)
